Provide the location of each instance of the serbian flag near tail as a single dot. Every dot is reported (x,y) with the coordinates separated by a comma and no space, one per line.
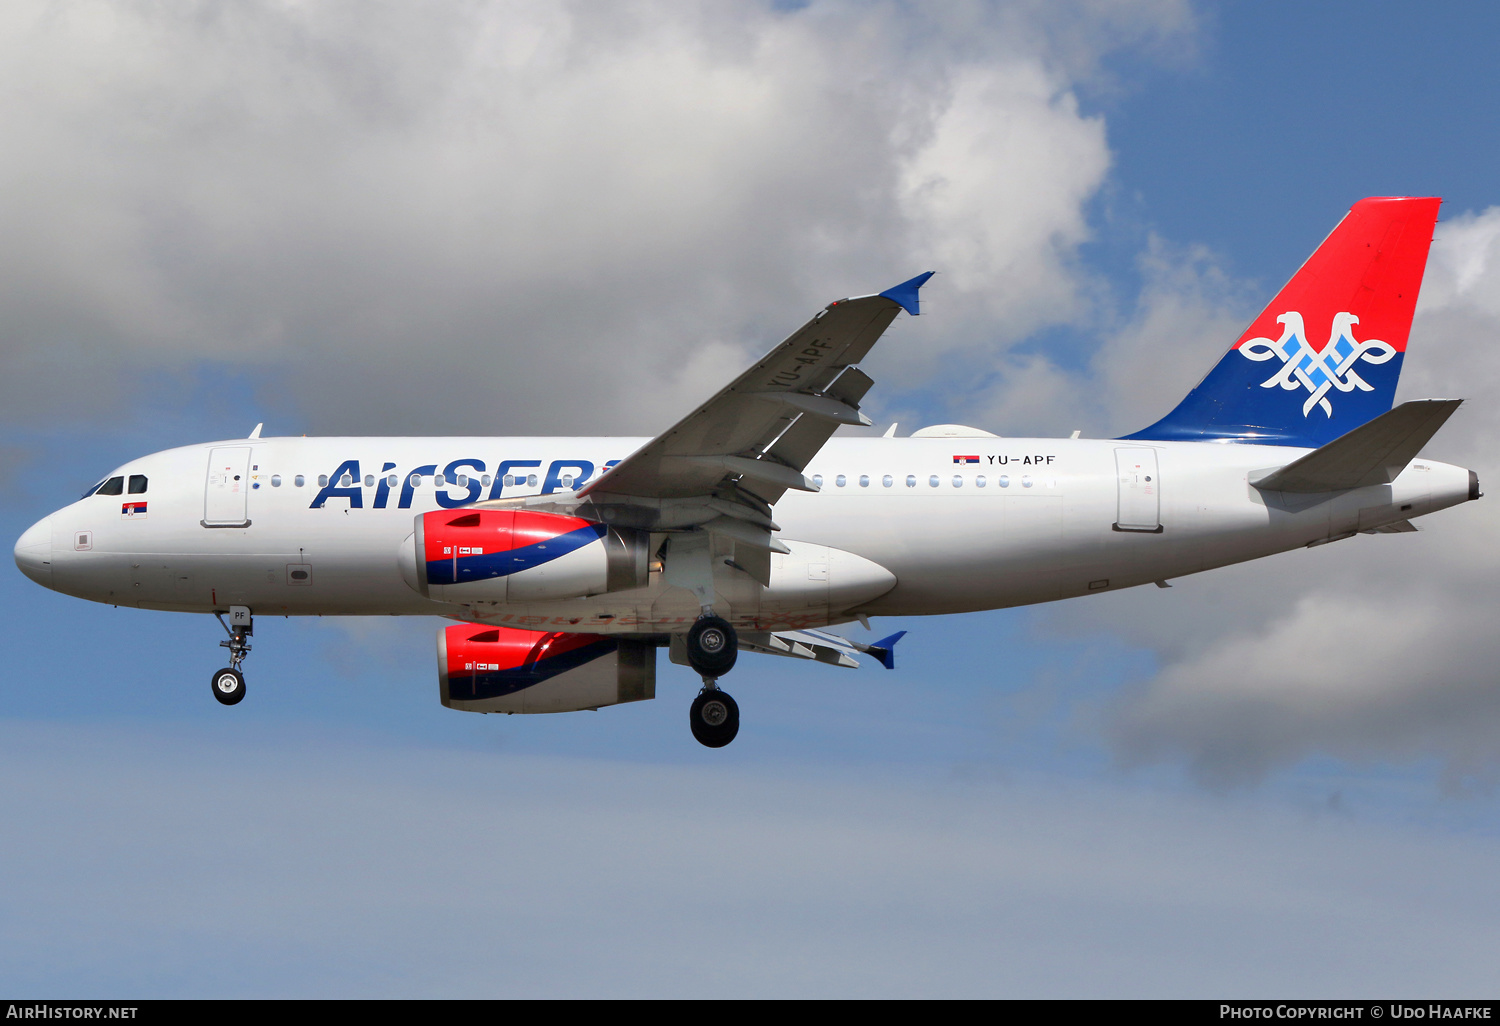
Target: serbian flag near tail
(1325,355)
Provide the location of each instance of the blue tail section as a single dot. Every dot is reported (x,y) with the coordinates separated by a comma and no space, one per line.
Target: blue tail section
(1325,356)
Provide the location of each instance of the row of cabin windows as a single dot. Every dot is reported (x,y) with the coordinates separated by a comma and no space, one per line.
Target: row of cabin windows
(116,486)
(137,485)
(438,480)
(933,481)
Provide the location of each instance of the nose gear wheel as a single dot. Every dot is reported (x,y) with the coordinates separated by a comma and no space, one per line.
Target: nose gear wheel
(229,686)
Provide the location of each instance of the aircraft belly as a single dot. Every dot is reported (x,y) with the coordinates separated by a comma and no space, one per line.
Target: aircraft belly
(811,586)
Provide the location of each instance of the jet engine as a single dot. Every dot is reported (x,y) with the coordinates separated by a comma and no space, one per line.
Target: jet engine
(519,555)
(503,669)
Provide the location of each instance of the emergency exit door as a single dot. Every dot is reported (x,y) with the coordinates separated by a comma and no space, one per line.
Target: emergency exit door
(1140,490)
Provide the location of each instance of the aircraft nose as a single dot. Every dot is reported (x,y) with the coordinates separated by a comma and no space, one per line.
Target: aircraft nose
(34,552)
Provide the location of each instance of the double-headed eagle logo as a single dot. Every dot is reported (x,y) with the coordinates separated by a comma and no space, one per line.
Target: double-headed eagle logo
(1304,367)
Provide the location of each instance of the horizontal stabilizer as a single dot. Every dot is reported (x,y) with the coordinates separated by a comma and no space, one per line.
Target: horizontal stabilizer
(1373,453)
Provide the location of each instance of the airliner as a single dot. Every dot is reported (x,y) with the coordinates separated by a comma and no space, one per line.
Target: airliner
(567,564)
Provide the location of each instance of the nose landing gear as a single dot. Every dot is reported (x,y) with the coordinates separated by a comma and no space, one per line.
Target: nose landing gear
(229,683)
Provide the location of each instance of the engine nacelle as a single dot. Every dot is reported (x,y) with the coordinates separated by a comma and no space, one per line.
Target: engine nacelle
(520,555)
(502,669)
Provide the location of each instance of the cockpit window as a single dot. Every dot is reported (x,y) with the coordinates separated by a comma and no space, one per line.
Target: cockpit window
(137,484)
(91,491)
(114,486)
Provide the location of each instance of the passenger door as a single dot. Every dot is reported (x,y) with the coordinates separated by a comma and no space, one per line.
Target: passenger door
(227,488)
(1140,490)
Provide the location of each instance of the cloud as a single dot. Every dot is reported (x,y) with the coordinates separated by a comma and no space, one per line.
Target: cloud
(526,218)
(176,863)
(1377,649)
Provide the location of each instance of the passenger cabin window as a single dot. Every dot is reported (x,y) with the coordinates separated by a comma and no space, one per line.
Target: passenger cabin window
(933,480)
(864,480)
(979,481)
(346,481)
(391,481)
(438,480)
(911,480)
(114,486)
(416,480)
(887,480)
(369,480)
(137,484)
(322,480)
(530,480)
(275,480)
(818,480)
(299,480)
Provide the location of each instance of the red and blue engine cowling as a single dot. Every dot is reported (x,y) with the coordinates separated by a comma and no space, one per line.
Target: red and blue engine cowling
(519,555)
(504,669)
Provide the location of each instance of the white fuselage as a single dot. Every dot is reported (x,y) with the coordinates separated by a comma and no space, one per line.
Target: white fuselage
(1053,518)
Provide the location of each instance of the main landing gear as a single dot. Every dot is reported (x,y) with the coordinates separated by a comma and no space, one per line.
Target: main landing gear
(712,648)
(714,717)
(229,683)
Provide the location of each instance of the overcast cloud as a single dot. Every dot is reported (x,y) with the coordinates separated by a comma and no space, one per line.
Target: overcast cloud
(227,865)
(538,218)
(1375,649)
(560,217)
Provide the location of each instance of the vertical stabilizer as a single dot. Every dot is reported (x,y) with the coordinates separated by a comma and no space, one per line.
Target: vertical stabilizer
(1324,357)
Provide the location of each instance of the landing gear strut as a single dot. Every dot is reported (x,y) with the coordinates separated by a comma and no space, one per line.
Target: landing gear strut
(229,683)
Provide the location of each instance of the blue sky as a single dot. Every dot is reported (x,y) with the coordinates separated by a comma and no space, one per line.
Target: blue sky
(311,217)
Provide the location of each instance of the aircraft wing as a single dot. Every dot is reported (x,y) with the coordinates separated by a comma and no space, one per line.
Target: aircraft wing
(824,646)
(751,442)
